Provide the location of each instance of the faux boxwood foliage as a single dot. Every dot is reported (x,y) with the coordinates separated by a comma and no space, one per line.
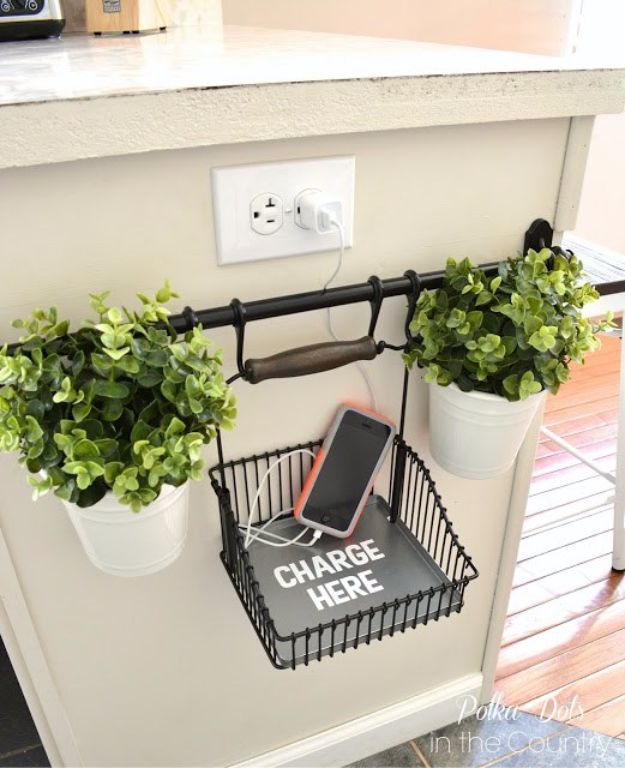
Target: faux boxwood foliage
(512,335)
(120,405)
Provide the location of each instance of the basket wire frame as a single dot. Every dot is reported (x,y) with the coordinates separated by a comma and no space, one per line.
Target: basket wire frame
(414,501)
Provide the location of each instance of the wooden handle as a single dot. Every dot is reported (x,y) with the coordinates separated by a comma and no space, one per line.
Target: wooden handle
(314,358)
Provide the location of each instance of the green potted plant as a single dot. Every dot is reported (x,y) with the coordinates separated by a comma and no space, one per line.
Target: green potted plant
(111,418)
(492,348)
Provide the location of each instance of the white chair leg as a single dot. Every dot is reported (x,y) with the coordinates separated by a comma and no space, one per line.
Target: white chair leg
(578,454)
(618,551)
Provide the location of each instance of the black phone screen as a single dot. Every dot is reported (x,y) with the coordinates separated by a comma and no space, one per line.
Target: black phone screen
(346,471)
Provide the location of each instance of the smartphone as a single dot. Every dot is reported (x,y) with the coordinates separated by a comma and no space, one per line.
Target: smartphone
(345,468)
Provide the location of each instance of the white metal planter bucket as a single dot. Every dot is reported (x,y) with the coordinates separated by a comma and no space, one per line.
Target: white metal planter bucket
(476,434)
(124,543)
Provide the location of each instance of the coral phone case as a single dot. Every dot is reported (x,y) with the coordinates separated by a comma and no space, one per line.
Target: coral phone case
(325,525)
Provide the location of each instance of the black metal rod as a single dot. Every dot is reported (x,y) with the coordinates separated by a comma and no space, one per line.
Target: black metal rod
(264,309)
(279,306)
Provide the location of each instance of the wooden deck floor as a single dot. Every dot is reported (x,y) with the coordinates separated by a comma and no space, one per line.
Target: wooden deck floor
(563,649)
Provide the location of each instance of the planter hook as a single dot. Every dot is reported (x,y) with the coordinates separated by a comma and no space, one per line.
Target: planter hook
(375,302)
(415,283)
(191,318)
(238,310)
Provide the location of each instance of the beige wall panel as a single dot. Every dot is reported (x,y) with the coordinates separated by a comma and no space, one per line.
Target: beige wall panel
(166,669)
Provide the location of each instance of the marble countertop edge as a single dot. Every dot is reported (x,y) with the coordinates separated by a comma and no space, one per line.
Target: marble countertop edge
(196,59)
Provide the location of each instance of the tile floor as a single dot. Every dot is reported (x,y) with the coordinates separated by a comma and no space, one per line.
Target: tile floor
(20,744)
(522,741)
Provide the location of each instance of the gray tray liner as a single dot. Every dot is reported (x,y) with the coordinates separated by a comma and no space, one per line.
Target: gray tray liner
(405,569)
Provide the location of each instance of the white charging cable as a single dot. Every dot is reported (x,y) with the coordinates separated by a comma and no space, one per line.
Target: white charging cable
(259,534)
(339,263)
(320,213)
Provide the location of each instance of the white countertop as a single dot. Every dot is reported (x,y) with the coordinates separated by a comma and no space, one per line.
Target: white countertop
(90,67)
(193,87)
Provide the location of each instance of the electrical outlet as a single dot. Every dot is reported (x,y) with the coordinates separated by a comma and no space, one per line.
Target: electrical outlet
(252,223)
(266,213)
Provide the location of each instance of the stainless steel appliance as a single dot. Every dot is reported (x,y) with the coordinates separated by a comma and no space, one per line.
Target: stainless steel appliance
(26,19)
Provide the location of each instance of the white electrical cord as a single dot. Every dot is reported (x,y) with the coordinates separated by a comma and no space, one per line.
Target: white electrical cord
(339,264)
(259,534)
(339,228)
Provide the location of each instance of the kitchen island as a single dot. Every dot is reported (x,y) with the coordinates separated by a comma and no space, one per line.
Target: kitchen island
(105,184)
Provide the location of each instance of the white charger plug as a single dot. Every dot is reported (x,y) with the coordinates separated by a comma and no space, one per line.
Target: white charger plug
(317,211)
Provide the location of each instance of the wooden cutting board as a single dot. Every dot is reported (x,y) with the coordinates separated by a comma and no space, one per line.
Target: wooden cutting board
(102,16)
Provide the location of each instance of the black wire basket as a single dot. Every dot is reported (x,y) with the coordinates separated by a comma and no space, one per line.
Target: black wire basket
(426,569)
(402,566)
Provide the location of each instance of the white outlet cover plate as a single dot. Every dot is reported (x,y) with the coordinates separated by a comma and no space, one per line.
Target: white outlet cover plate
(234,187)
